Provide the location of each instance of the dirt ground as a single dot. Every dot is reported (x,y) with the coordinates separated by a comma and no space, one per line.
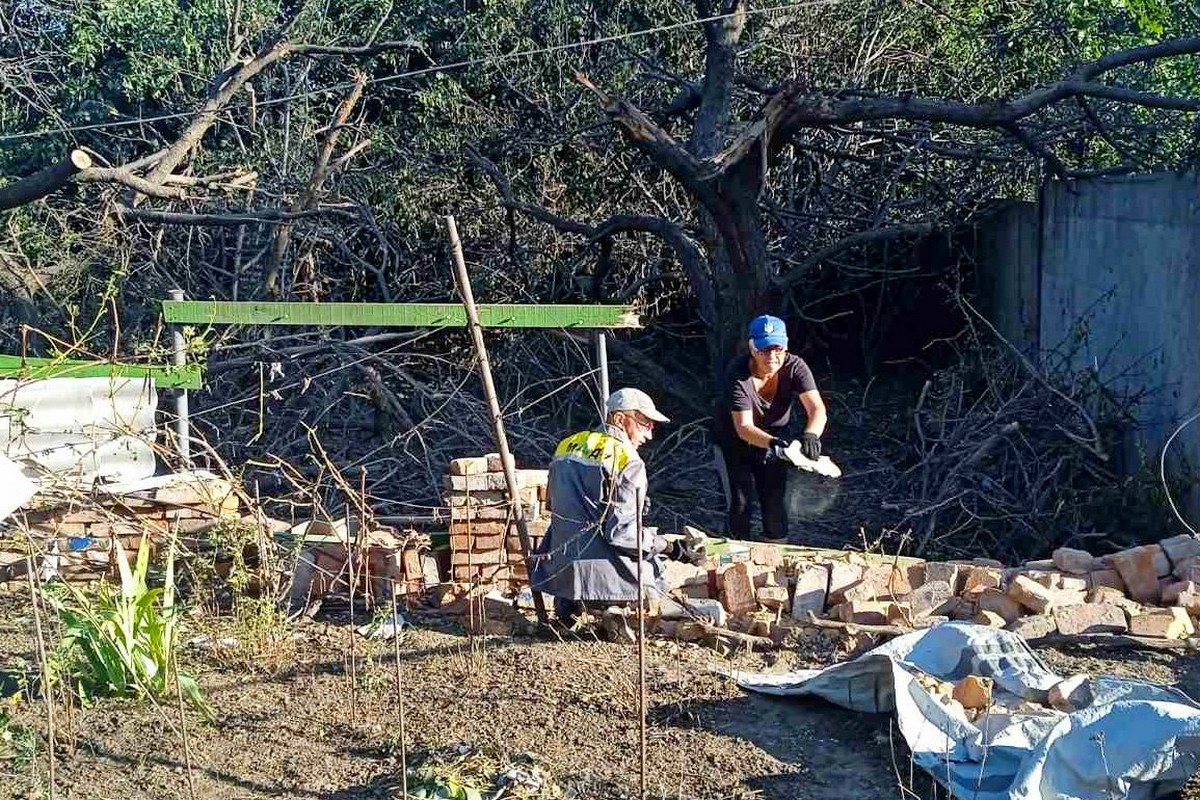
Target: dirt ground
(570,705)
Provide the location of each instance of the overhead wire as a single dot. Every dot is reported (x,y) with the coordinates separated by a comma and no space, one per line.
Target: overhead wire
(454,65)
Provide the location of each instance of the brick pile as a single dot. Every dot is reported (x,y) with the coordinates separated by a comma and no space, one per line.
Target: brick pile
(372,565)
(82,531)
(484,547)
(1151,591)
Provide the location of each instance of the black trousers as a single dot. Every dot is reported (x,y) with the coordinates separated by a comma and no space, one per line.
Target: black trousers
(749,474)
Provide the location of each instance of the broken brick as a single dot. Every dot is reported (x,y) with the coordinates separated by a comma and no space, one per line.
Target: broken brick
(1034,627)
(1076,562)
(472,465)
(1090,618)
(983,578)
(737,589)
(1162,623)
(943,571)
(990,619)
(1140,569)
(997,601)
(1031,594)
(1172,589)
(973,691)
(772,597)
(842,575)
(811,582)
(931,597)
(767,555)
(865,612)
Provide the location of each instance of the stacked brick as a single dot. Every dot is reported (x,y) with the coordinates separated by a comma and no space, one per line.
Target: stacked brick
(1151,591)
(79,536)
(485,549)
(376,564)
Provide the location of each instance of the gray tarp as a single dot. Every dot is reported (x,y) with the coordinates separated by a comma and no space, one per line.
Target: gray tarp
(1129,739)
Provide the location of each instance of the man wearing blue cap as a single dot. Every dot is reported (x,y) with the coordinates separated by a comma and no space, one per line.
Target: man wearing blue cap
(753,414)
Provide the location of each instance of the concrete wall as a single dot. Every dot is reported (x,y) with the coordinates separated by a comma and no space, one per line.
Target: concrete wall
(1117,285)
(1007,251)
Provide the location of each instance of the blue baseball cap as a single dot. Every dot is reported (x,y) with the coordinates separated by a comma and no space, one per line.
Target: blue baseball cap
(767,331)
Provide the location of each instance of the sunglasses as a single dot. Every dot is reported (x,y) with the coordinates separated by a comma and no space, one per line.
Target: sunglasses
(776,350)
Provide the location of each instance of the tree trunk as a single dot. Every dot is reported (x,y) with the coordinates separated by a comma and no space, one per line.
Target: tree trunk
(737,253)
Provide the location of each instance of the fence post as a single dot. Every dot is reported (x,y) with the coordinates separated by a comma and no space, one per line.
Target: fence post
(602,364)
(183,427)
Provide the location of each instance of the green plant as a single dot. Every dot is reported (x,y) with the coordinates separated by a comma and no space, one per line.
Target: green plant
(122,642)
(18,745)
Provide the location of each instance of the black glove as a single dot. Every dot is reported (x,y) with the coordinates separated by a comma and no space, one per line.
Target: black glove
(775,450)
(810,446)
(681,550)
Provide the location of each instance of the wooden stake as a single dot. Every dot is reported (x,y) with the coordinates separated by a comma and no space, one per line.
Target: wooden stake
(463,281)
(187,750)
(47,695)
(400,703)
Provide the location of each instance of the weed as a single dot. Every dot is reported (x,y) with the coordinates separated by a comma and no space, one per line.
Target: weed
(18,745)
(122,641)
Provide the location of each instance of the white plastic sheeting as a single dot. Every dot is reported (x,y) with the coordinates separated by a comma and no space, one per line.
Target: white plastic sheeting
(1123,739)
(79,429)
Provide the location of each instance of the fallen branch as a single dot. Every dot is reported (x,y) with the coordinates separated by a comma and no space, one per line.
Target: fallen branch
(854,627)
(44,181)
(1114,641)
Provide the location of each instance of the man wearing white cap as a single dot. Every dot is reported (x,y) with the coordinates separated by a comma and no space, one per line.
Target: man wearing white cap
(597,492)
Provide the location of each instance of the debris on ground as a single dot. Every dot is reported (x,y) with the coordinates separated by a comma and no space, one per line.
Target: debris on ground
(988,721)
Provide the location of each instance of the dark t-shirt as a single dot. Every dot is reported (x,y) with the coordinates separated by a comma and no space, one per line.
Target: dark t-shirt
(738,394)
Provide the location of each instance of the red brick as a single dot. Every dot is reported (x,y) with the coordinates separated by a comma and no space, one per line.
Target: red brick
(767,555)
(737,589)
(1106,577)
(811,583)
(865,612)
(1076,562)
(1031,594)
(1140,569)
(999,603)
(1090,618)
(1162,623)
(772,597)
(477,557)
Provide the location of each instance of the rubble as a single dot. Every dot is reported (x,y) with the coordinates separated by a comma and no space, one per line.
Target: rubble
(765,592)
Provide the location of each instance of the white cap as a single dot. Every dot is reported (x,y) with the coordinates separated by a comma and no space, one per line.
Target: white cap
(633,400)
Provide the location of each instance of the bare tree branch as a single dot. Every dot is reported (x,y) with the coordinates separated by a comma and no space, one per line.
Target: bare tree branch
(889,233)
(270,216)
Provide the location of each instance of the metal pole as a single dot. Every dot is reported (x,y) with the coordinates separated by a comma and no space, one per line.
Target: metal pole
(602,365)
(183,426)
(463,282)
(641,646)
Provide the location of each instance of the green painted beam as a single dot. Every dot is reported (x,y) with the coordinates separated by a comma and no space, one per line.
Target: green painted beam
(396,315)
(185,377)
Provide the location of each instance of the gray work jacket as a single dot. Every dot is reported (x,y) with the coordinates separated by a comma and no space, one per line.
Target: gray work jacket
(589,552)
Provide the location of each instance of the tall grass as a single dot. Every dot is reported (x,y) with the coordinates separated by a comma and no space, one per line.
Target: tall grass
(122,641)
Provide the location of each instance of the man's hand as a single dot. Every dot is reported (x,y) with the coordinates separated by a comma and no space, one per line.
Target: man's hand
(689,549)
(810,446)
